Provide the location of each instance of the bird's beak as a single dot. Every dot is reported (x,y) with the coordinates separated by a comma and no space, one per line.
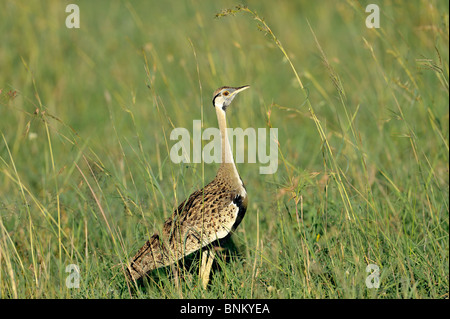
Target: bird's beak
(240,89)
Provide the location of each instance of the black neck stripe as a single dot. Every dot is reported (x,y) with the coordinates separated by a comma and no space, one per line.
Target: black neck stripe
(214,98)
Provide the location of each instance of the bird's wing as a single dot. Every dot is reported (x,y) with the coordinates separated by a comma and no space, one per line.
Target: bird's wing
(207,215)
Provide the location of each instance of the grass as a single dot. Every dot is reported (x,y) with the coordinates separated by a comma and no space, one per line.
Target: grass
(363,133)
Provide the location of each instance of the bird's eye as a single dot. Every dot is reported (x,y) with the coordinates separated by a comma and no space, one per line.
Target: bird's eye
(226,93)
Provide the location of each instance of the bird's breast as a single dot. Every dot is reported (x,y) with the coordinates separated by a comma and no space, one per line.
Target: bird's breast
(240,202)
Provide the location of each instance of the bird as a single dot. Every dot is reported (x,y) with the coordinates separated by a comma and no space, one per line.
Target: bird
(207,216)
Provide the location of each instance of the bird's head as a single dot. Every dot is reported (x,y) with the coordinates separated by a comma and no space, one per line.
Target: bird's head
(224,95)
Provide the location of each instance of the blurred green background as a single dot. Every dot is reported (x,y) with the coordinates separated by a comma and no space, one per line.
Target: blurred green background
(86,115)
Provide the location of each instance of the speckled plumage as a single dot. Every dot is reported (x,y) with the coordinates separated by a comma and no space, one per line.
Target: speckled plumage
(205,216)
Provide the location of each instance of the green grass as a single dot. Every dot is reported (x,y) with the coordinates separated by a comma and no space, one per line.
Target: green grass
(363,123)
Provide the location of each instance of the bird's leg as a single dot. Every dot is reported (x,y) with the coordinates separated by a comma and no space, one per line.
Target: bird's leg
(207,260)
(175,275)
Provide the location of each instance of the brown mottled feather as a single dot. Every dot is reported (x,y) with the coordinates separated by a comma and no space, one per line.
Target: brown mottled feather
(198,221)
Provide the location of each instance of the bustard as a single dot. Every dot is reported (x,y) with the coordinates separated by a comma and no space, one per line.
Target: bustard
(208,215)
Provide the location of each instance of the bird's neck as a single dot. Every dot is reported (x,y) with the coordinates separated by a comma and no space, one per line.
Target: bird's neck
(227,154)
(227,166)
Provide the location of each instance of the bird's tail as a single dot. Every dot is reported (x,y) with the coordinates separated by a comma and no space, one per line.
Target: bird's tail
(149,257)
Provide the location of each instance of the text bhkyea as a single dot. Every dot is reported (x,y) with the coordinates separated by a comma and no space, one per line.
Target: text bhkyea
(212,152)
(228,308)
